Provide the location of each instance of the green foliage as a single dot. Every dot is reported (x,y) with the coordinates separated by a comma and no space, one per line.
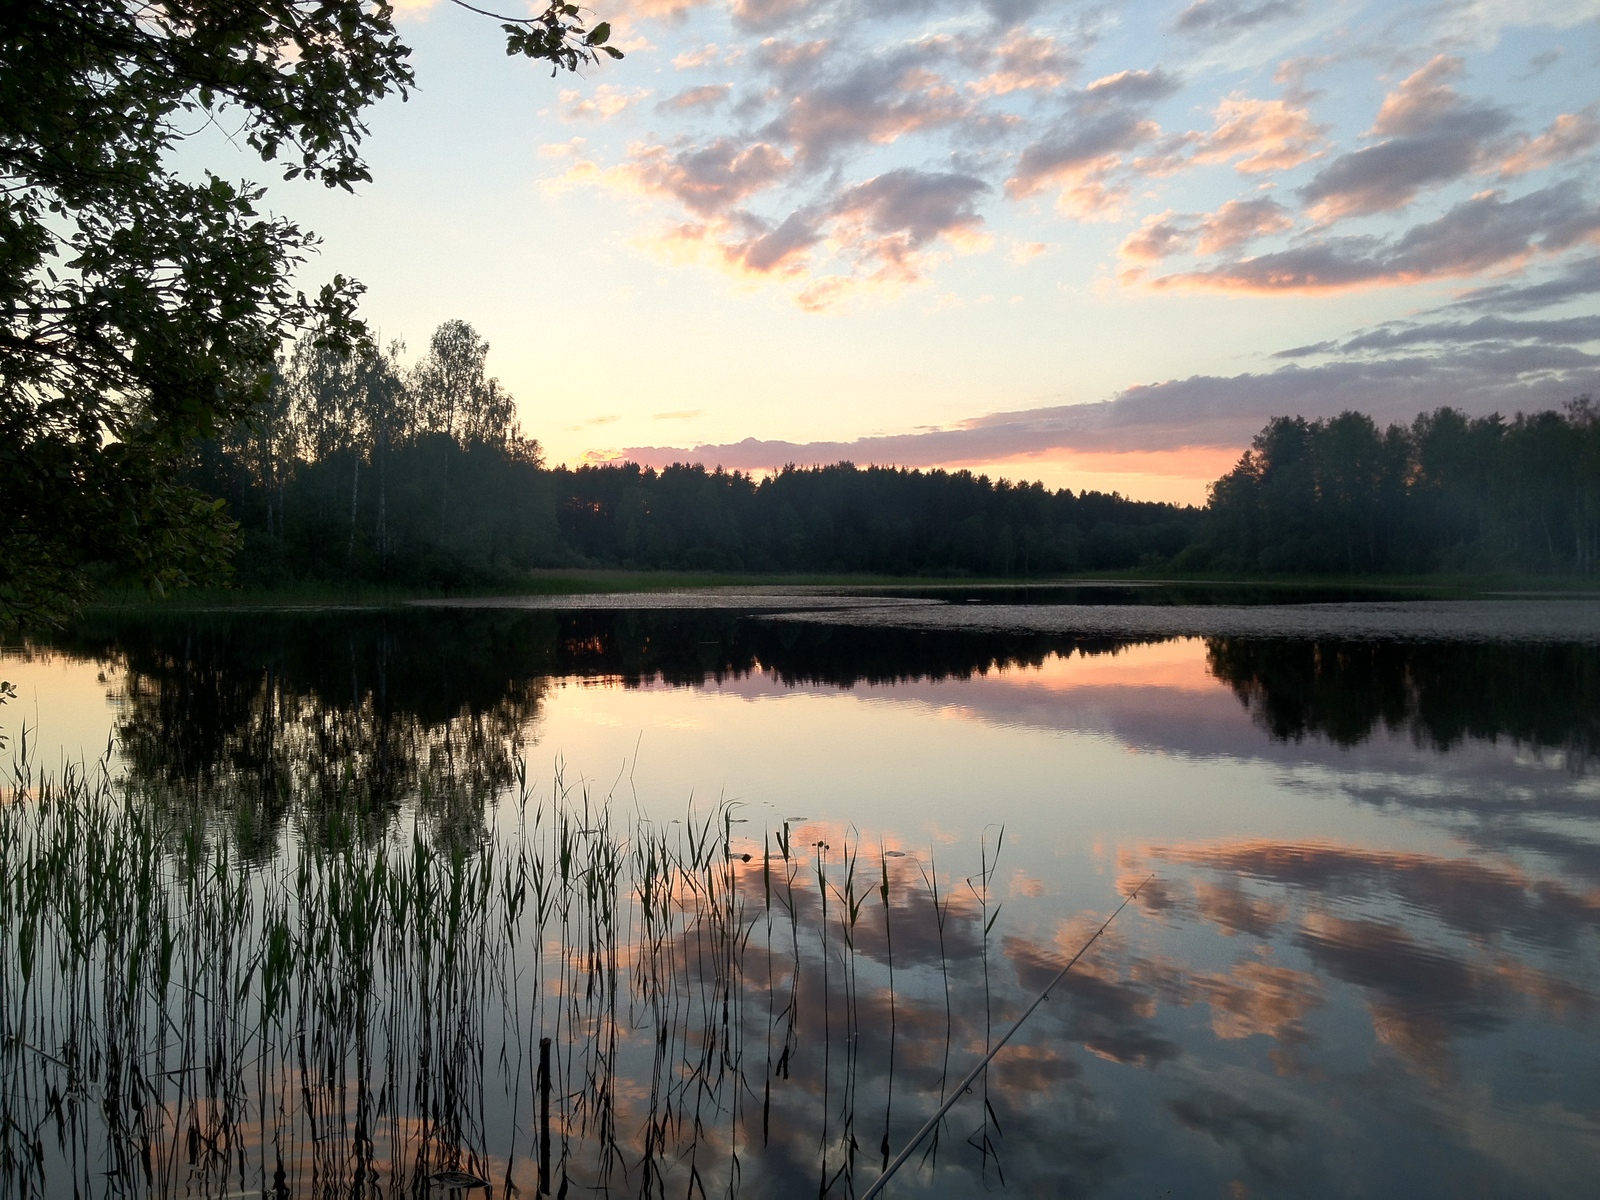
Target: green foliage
(1449,492)
(141,309)
(359,467)
(557,36)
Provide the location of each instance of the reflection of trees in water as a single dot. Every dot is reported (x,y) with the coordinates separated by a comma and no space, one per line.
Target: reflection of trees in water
(354,714)
(357,713)
(1544,696)
(250,722)
(292,752)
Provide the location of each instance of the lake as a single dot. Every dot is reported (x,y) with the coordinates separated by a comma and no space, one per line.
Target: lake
(773,868)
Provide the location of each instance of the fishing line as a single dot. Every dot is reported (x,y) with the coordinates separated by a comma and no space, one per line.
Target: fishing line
(961,1088)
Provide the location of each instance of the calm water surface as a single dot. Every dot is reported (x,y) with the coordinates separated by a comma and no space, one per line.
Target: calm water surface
(1364,964)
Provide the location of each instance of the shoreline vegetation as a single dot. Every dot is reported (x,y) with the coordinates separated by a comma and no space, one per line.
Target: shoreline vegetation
(362,479)
(362,470)
(373,1004)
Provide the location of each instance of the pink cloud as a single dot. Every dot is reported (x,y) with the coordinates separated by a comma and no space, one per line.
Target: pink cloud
(1159,237)
(606,102)
(657,9)
(706,179)
(1083,157)
(1569,135)
(702,57)
(1433,136)
(1422,99)
(887,222)
(1233,224)
(880,234)
(707,96)
(1262,135)
(1026,62)
(1484,233)
(875,104)
(1241,221)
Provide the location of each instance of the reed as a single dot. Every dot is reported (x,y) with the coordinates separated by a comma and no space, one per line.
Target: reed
(361,1011)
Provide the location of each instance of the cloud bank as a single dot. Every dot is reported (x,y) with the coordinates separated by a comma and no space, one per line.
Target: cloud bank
(834,148)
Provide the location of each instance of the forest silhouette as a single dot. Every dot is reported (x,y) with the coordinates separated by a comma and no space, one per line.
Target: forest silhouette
(362,469)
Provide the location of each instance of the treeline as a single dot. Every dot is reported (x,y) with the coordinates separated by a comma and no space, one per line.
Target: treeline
(363,468)
(359,467)
(843,518)
(1446,493)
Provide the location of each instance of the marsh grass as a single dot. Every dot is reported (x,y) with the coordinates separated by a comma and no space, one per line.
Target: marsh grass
(361,1012)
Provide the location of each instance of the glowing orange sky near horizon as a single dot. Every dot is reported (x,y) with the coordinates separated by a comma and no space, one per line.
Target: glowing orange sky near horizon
(1179,476)
(1176,476)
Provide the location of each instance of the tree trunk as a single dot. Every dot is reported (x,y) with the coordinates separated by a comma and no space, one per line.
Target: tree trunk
(444,495)
(383,501)
(355,483)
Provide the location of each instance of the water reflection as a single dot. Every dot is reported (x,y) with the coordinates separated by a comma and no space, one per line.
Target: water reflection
(211,694)
(1440,693)
(1398,998)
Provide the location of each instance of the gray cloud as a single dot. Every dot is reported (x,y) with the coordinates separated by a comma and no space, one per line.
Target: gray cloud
(1235,224)
(1434,135)
(918,205)
(708,96)
(1390,175)
(1203,410)
(880,224)
(1130,87)
(1218,19)
(1572,331)
(1104,120)
(1484,232)
(767,16)
(872,101)
(1077,144)
(827,86)
(761,15)
(713,178)
(769,248)
(1575,280)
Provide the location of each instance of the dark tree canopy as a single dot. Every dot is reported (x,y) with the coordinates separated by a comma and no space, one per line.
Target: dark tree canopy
(141,309)
(362,468)
(1448,492)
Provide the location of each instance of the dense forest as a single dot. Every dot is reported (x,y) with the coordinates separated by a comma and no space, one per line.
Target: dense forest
(362,468)
(1448,492)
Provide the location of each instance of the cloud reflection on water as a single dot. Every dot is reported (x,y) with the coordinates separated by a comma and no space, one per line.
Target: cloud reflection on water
(1280,1011)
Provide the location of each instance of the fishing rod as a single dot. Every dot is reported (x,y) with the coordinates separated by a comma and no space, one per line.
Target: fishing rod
(961,1088)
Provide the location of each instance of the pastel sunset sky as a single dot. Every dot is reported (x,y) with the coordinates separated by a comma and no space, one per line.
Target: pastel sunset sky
(1093,244)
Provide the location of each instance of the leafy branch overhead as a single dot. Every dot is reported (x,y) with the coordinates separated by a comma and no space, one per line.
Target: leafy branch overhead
(141,309)
(556,35)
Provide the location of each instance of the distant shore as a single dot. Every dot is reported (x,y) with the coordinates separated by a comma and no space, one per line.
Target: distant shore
(556,582)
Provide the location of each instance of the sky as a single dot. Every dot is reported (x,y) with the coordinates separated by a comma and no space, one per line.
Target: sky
(1097,245)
